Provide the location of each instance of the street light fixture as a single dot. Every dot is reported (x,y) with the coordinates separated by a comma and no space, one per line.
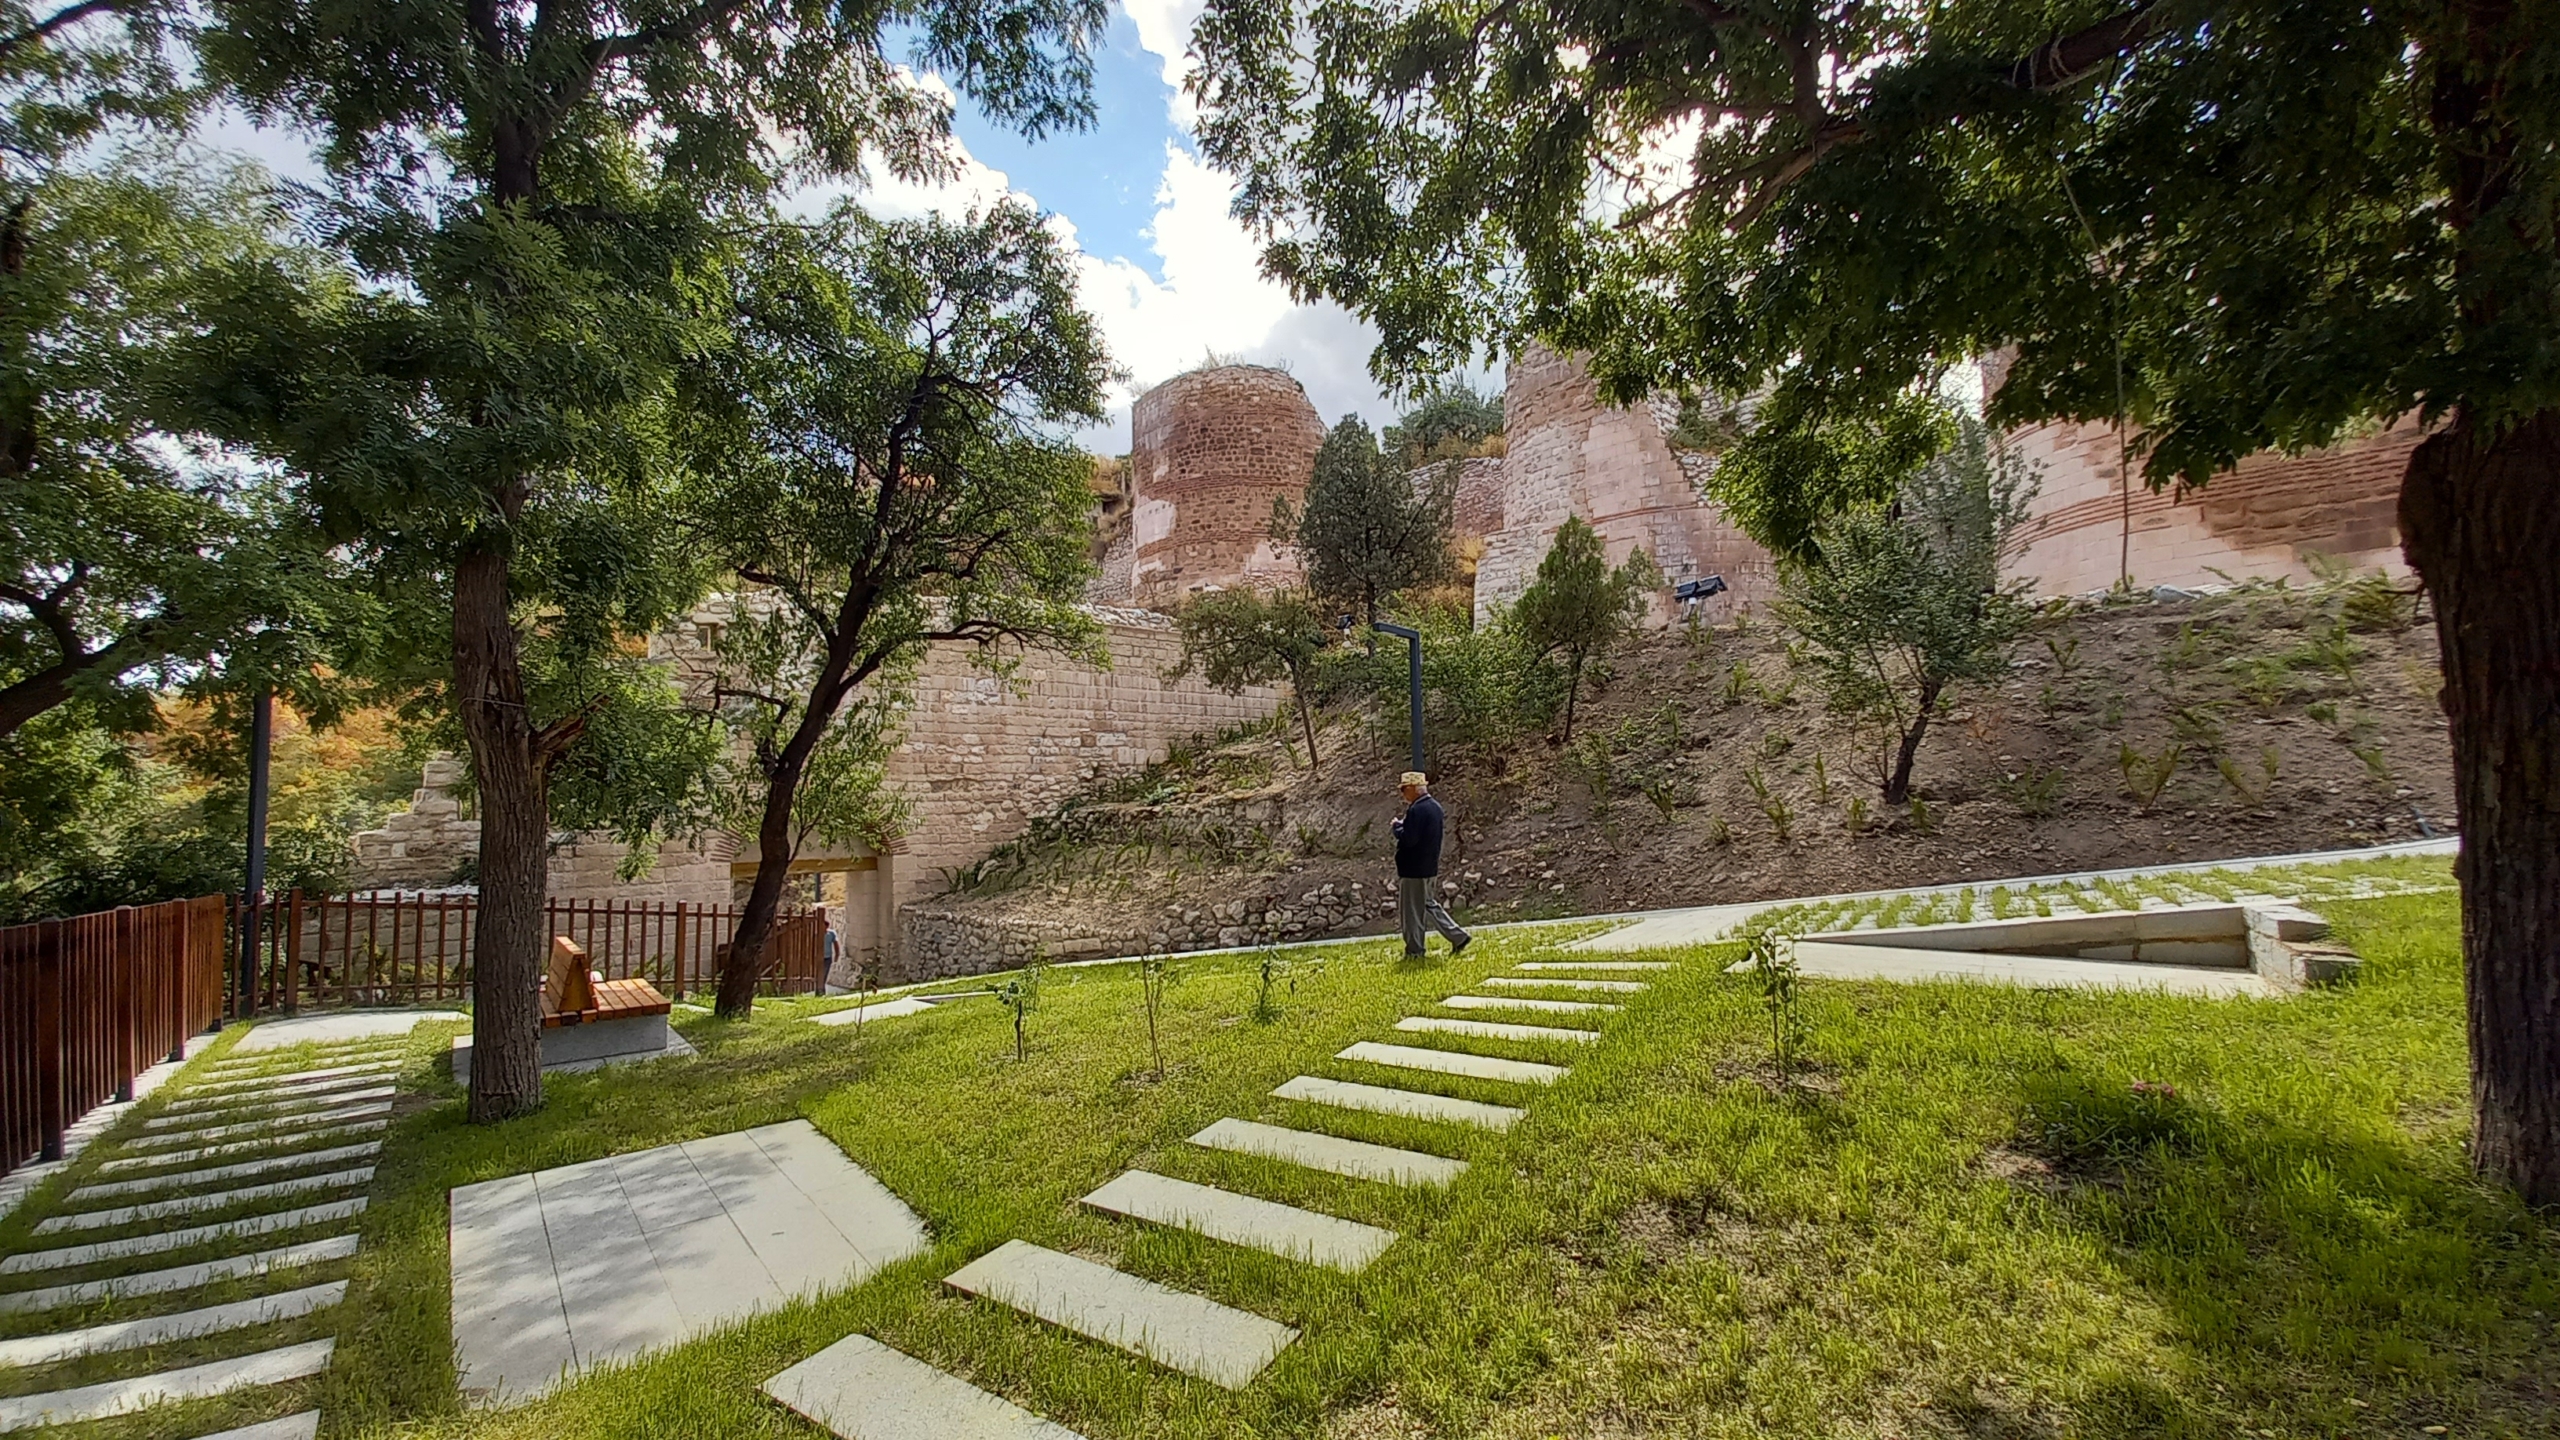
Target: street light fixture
(1413,676)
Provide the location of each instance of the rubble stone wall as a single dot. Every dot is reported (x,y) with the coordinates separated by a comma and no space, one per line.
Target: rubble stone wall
(1211,450)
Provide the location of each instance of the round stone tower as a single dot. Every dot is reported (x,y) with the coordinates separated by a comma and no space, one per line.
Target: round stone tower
(1211,450)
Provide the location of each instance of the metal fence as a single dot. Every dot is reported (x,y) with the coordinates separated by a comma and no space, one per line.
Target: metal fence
(88,1003)
(415,948)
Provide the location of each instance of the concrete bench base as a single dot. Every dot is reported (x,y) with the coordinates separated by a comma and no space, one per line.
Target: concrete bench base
(569,1049)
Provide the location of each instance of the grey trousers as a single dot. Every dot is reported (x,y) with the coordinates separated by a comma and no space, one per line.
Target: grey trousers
(1416,907)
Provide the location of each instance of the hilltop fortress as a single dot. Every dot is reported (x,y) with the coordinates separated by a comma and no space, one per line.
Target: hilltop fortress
(1190,512)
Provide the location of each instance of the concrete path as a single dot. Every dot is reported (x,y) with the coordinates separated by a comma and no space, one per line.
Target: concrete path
(1833,961)
(1529,1002)
(1494,1030)
(1181,1331)
(1283,1230)
(861,1389)
(1452,1062)
(263,1100)
(1412,1104)
(337,1028)
(564,1269)
(1356,1158)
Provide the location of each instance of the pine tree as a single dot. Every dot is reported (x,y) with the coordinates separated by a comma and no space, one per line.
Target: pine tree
(1366,532)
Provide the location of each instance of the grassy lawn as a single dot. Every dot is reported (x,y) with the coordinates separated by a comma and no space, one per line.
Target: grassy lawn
(1963,1221)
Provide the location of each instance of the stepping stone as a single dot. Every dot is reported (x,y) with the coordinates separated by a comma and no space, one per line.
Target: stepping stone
(242,1171)
(268,1126)
(245,1060)
(150,1161)
(1355,1158)
(180,1239)
(197,1204)
(1174,1328)
(305,1426)
(1413,1104)
(1453,1062)
(266,1112)
(123,1397)
(1283,1230)
(254,1093)
(1495,1030)
(343,1027)
(904,1005)
(1525,1002)
(863,1390)
(129,1334)
(181,1277)
(1516,982)
(1593,965)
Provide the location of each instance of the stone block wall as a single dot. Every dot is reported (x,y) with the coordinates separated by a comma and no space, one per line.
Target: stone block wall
(1211,450)
(1569,454)
(1477,512)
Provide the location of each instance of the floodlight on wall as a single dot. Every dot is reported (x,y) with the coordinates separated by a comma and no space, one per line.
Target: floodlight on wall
(1690,592)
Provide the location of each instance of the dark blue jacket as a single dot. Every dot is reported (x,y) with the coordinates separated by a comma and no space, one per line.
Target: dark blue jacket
(1418,840)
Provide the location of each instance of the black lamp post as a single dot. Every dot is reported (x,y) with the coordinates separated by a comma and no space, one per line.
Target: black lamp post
(1413,677)
(262,729)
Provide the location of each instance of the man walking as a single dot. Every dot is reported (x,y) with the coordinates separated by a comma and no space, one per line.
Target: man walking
(1417,865)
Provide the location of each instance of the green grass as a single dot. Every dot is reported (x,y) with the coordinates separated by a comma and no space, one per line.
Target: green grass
(1963,1222)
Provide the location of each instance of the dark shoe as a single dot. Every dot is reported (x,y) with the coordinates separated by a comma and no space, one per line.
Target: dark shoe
(1414,954)
(1459,946)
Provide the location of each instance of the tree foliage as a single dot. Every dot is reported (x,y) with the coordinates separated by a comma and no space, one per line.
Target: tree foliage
(1366,533)
(1451,423)
(876,445)
(1897,603)
(1236,638)
(1577,609)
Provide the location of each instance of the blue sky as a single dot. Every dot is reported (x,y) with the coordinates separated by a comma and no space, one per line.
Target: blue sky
(1169,274)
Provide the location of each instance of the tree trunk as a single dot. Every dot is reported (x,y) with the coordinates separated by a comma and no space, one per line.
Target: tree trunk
(507,941)
(776,843)
(1572,692)
(2480,519)
(1897,786)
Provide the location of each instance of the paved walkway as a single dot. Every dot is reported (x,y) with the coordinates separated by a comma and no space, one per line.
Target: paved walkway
(213,1216)
(861,1389)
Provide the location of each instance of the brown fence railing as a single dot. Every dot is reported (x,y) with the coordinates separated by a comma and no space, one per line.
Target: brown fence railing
(88,1003)
(415,948)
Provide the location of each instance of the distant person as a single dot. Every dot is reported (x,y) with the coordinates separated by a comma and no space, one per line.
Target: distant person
(833,950)
(1417,865)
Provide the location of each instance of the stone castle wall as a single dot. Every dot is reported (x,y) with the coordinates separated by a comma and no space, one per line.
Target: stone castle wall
(1476,493)
(1210,451)
(2263,518)
(1569,454)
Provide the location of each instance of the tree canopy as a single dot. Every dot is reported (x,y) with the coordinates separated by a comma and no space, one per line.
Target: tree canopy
(1365,531)
(1577,608)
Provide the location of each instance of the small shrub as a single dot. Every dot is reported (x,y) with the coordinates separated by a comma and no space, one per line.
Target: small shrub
(2372,603)
(2376,768)
(1739,683)
(2264,681)
(1274,974)
(1776,743)
(1856,820)
(2329,648)
(2250,788)
(1821,780)
(1773,969)
(1156,974)
(2064,650)
(2035,790)
(1021,995)
(1718,832)
(2112,716)
(2145,776)
(1923,819)
(1772,804)
(2324,711)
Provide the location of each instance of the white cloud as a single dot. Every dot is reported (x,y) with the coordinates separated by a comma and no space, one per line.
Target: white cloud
(1213,295)
(1164,31)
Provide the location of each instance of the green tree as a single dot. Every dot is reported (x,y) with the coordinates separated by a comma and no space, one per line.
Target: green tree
(1447,424)
(1580,609)
(527,185)
(1365,532)
(1898,603)
(875,445)
(1236,638)
(2229,224)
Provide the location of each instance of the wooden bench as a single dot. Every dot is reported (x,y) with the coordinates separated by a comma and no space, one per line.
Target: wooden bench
(571,995)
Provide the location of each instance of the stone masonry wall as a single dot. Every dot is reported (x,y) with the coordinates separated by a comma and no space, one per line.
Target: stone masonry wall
(1477,511)
(1210,452)
(1569,454)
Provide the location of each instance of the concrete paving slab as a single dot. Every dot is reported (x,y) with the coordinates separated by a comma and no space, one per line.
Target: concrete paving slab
(334,1116)
(1559,982)
(1413,1104)
(198,1204)
(158,1329)
(1176,1329)
(305,1426)
(1283,1230)
(1495,1030)
(1834,961)
(861,1389)
(904,1005)
(1452,1062)
(266,1064)
(123,1397)
(584,1264)
(1355,1158)
(181,1277)
(246,1169)
(265,1110)
(336,1028)
(258,1093)
(1529,1002)
(27,1260)
(1593,965)
(153,1160)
